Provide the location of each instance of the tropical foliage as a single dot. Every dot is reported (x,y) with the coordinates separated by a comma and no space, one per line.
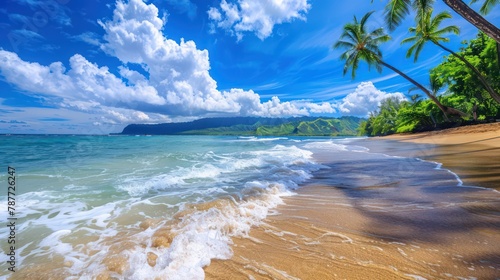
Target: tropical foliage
(396,10)
(470,77)
(464,91)
(428,30)
(363,45)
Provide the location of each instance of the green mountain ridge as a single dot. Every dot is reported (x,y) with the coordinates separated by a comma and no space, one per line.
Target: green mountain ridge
(254,126)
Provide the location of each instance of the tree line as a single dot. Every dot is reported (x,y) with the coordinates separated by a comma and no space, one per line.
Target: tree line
(470,75)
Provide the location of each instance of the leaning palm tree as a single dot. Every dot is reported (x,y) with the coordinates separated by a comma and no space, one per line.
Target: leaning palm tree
(428,30)
(486,9)
(396,10)
(475,18)
(364,45)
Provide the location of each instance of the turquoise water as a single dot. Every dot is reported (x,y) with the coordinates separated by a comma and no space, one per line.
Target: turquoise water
(164,207)
(103,205)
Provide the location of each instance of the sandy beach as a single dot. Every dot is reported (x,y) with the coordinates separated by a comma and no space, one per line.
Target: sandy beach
(410,219)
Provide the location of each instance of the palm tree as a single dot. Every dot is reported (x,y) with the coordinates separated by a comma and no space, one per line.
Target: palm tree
(396,10)
(486,9)
(364,45)
(427,29)
(474,18)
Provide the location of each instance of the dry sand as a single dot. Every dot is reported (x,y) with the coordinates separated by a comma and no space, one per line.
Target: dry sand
(326,232)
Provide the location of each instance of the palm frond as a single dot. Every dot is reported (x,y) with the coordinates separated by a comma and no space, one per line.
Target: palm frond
(448,29)
(354,64)
(418,49)
(436,21)
(427,29)
(395,11)
(350,32)
(409,40)
(364,19)
(422,6)
(379,32)
(343,44)
(410,51)
(487,5)
(381,38)
(360,45)
(378,67)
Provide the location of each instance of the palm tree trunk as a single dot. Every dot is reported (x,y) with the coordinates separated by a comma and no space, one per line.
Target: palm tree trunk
(474,18)
(498,54)
(446,110)
(486,85)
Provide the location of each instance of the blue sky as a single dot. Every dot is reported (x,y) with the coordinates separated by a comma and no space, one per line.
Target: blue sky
(92,67)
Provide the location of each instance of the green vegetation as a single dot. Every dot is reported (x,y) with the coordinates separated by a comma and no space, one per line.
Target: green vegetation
(464,92)
(470,77)
(237,130)
(345,126)
(396,10)
(363,45)
(253,126)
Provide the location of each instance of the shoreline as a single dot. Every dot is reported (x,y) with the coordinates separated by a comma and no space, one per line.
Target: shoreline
(468,151)
(328,231)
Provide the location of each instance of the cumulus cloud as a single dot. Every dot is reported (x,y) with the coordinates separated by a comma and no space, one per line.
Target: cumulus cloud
(365,99)
(174,81)
(84,81)
(258,16)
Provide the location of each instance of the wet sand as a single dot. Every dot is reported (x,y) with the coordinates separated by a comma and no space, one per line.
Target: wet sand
(412,223)
(473,152)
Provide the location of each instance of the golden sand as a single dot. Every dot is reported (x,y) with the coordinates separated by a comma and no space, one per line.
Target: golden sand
(323,233)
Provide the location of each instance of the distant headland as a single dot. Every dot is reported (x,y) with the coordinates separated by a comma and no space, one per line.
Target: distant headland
(253,126)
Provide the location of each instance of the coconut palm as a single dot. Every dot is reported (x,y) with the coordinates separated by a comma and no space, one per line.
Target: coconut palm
(428,30)
(364,45)
(396,10)
(474,18)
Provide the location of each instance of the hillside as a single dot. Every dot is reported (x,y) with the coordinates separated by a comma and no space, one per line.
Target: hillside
(302,126)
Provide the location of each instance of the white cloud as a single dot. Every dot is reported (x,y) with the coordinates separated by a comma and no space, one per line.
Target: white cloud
(88,37)
(84,81)
(214,14)
(275,107)
(324,107)
(175,81)
(27,34)
(365,99)
(259,16)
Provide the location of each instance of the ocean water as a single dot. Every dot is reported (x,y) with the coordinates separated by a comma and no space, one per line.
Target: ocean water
(141,207)
(164,207)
